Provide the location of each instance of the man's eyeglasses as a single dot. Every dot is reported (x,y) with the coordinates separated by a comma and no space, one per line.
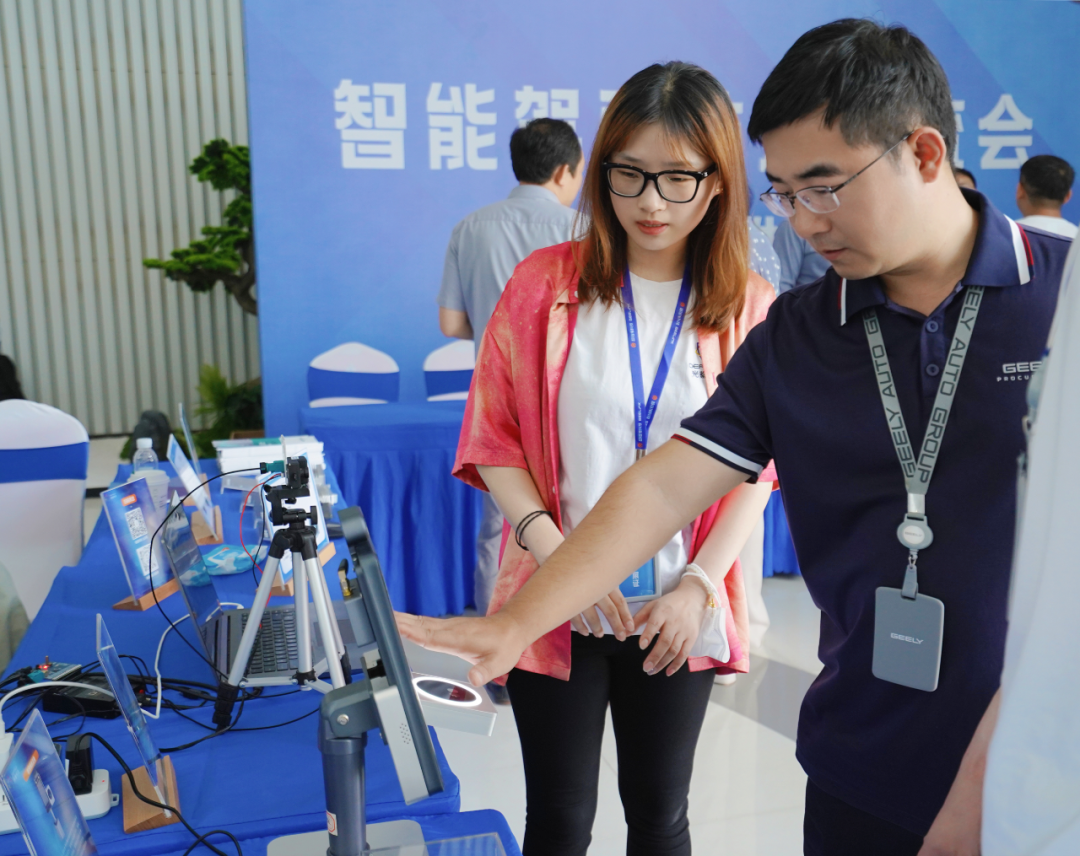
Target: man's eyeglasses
(674,185)
(819,200)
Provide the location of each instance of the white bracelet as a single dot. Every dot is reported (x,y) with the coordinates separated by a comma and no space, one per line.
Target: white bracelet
(693,570)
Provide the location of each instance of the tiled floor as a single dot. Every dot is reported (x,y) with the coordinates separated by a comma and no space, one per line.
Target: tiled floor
(746,795)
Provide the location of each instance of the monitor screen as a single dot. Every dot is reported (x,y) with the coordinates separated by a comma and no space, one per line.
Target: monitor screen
(196,584)
(380,615)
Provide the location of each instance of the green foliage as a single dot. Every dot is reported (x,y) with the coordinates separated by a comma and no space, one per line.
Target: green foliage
(225,253)
(229,408)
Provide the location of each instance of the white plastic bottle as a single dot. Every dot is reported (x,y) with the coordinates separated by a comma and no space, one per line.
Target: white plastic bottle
(145,457)
(145,466)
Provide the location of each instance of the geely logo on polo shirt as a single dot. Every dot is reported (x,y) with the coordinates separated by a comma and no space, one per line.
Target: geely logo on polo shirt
(1018,371)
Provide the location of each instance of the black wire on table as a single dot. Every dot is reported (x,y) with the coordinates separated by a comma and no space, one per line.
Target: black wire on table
(199,839)
(206,737)
(45,689)
(279,725)
(150,564)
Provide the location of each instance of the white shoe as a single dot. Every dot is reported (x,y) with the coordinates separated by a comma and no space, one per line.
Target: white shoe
(724,680)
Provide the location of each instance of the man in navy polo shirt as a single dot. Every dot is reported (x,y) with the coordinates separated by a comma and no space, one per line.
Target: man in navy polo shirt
(934,311)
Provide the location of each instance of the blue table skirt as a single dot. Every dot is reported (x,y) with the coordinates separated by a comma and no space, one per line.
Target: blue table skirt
(779,555)
(395,462)
(257,783)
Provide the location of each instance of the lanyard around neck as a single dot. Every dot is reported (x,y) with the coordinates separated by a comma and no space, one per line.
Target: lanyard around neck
(914,532)
(645,409)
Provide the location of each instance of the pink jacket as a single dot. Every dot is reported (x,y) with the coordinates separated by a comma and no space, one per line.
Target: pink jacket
(510,421)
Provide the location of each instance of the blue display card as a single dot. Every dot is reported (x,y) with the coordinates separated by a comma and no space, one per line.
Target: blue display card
(41,797)
(133,518)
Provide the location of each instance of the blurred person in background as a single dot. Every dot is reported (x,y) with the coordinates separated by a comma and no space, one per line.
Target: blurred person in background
(1045,186)
(964,178)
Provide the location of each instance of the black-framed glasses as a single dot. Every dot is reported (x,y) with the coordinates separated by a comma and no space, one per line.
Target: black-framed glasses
(674,185)
(819,200)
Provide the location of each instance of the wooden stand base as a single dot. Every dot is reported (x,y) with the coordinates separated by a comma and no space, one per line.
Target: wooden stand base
(327,553)
(147,600)
(138,816)
(279,590)
(203,536)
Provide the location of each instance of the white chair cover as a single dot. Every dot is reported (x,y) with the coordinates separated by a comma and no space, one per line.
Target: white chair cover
(44,454)
(353,373)
(448,371)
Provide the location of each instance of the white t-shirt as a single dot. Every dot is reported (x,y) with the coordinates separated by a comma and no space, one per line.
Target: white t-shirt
(1054,225)
(596,405)
(1031,793)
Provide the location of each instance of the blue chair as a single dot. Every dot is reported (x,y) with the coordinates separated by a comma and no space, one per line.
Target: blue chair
(44,455)
(448,371)
(353,373)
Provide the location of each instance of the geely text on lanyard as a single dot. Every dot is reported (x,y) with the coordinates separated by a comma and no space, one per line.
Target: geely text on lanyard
(643,583)
(908,626)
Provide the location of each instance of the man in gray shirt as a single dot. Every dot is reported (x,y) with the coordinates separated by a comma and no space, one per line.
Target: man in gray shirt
(485,248)
(487,245)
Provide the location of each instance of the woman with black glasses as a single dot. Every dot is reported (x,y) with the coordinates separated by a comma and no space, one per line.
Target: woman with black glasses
(595,353)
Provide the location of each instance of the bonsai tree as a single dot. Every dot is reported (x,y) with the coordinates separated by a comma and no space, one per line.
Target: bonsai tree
(225,253)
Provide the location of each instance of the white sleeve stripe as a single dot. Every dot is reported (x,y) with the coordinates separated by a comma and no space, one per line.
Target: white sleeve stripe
(719,451)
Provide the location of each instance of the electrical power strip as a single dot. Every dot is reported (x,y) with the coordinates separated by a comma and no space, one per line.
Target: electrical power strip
(94,804)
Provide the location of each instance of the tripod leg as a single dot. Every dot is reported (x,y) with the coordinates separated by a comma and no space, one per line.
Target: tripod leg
(227,691)
(247,641)
(326,621)
(305,671)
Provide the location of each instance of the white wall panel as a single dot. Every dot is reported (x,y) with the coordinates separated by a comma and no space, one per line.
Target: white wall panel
(103,104)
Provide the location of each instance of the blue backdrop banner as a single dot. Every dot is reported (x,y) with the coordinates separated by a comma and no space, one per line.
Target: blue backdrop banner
(376,127)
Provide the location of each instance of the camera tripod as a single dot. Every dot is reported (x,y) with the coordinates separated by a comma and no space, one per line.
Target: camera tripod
(298,539)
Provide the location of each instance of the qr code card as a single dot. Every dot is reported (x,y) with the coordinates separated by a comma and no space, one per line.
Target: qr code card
(136,524)
(145,558)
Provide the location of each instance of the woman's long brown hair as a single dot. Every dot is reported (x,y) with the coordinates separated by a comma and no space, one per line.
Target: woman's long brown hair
(695,113)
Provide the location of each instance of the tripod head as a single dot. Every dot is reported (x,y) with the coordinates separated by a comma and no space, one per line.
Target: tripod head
(297,482)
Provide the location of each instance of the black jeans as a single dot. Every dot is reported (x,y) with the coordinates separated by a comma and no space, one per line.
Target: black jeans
(832,827)
(561,724)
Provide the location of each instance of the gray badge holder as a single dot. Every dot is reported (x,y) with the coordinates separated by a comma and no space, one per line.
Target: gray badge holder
(907,639)
(908,626)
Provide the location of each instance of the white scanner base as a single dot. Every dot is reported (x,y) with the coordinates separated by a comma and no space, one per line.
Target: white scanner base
(404,837)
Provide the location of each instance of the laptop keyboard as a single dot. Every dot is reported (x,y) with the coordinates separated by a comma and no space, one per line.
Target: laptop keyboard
(275,647)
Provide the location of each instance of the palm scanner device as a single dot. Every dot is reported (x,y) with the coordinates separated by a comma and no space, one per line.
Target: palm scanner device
(385,697)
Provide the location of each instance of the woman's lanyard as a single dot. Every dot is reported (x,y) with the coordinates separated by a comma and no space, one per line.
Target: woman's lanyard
(645,410)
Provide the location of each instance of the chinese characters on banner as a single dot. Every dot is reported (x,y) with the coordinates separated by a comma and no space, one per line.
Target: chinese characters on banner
(454,123)
(371,121)
(542,104)
(1005,119)
(372,124)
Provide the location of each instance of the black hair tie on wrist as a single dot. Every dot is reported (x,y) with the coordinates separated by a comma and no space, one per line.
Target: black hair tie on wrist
(525,521)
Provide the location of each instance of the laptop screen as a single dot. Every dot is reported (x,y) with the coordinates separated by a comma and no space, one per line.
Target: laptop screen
(196,585)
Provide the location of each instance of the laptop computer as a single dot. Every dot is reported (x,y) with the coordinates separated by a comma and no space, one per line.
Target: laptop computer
(274,656)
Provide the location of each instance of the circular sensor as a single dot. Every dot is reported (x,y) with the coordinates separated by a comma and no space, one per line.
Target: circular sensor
(446,691)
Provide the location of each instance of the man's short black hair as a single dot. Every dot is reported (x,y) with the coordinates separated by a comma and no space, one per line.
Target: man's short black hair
(541,147)
(959,170)
(878,82)
(1047,178)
